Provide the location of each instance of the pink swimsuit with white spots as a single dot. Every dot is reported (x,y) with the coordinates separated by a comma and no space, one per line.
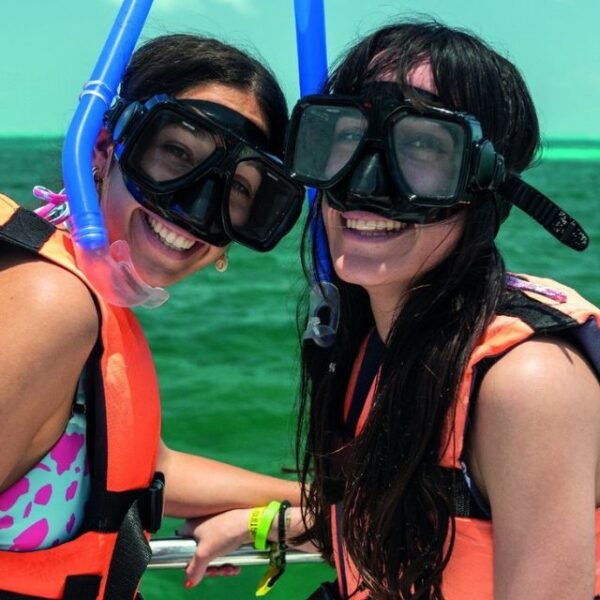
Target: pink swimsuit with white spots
(46,506)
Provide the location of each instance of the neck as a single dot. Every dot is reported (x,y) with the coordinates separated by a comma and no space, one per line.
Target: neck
(386,304)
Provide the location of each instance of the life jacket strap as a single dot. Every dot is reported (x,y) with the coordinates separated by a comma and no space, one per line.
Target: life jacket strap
(132,551)
(130,557)
(26,230)
(77,587)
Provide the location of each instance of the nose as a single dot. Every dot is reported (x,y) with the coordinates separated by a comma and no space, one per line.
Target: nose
(370,178)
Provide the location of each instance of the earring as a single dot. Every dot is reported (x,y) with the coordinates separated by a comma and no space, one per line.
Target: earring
(222,263)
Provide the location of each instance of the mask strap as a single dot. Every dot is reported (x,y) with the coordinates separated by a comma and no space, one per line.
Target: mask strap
(540,208)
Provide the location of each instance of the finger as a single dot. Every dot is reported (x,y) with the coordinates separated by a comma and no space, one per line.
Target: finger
(195,571)
(222,571)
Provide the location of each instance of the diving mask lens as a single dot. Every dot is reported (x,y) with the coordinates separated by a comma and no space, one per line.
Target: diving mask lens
(170,148)
(167,162)
(428,156)
(262,203)
(327,139)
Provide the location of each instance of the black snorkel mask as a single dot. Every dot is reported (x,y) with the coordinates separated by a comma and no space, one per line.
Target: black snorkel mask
(378,152)
(205,168)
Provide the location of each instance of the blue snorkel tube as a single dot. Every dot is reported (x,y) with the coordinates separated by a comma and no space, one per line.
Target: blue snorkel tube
(312,68)
(108,267)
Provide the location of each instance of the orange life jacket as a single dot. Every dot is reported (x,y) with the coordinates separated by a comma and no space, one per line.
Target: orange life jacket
(109,554)
(469,573)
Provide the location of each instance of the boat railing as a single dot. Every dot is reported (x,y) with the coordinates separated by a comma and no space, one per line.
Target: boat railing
(171,553)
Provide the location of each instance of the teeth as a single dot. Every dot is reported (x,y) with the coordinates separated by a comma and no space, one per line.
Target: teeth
(168,237)
(364,225)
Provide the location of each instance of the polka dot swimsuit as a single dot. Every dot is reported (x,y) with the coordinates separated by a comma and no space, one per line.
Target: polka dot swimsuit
(46,506)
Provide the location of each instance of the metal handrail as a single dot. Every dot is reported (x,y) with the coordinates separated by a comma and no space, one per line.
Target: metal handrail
(175,553)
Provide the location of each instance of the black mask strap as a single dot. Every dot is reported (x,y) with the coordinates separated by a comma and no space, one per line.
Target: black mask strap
(540,208)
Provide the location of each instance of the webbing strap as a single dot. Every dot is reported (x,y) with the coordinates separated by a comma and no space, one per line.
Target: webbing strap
(77,587)
(339,542)
(130,557)
(82,587)
(27,230)
(14,596)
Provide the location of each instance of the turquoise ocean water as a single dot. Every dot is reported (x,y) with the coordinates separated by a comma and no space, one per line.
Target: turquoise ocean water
(225,343)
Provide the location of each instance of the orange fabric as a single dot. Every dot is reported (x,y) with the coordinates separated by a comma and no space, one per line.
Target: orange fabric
(348,567)
(597,584)
(469,574)
(41,573)
(133,430)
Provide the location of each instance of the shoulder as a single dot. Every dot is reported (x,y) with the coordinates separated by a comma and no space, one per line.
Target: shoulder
(541,373)
(538,406)
(35,293)
(536,451)
(48,327)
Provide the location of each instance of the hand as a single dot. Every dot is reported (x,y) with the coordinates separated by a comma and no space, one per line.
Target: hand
(215,536)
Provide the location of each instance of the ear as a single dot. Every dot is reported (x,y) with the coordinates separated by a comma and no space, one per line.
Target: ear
(103,153)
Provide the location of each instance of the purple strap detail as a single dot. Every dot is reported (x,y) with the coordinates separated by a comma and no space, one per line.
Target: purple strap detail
(516,283)
(56,209)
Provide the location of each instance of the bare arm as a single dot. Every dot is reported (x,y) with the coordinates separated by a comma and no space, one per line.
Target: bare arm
(537,458)
(48,326)
(197,486)
(225,532)
(200,487)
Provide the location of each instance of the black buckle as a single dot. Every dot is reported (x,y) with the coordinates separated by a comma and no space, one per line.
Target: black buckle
(151,504)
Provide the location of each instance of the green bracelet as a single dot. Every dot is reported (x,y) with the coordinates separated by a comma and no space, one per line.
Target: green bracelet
(264,525)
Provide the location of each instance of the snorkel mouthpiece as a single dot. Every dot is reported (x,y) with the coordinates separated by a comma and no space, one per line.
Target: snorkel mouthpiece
(109,269)
(323,314)
(119,283)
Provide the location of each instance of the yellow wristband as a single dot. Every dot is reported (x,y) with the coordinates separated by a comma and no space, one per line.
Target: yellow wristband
(264,525)
(254,519)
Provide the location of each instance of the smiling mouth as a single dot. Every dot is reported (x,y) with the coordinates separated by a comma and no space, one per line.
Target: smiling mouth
(168,237)
(374,227)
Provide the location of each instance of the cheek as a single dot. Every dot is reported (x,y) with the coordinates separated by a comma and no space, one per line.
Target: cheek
(117,204)
(330,218)
(439,240)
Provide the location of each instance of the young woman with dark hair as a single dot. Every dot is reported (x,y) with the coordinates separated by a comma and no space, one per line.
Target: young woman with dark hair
(449,431)
(185,165)
(449,438)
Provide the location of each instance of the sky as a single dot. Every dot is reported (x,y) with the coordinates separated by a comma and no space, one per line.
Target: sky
(48,48)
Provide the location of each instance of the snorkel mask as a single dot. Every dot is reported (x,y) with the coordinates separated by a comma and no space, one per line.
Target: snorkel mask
(205,168)
(378,152)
